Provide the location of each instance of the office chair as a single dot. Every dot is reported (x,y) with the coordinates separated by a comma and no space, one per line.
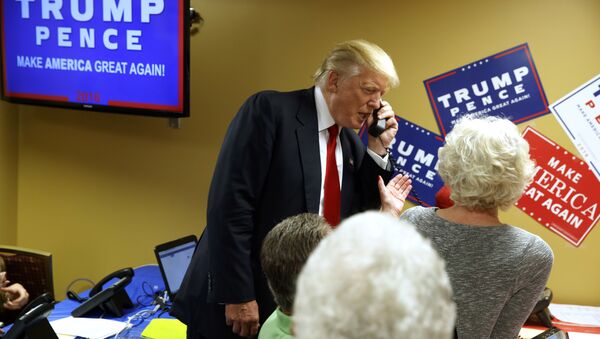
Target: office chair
(31,268)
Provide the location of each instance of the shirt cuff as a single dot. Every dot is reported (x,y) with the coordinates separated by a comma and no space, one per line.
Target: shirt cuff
(380,161)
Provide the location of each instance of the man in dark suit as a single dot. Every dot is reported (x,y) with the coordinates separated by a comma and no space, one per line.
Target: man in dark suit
(285,154)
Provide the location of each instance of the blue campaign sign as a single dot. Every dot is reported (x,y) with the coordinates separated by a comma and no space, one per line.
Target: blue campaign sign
(108,52)
(415,152)
(504,84)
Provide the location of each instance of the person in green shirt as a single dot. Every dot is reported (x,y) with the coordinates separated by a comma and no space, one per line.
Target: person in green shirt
(288,245)
(284,252)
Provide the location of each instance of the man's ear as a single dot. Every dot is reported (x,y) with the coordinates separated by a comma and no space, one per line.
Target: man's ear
(332,81)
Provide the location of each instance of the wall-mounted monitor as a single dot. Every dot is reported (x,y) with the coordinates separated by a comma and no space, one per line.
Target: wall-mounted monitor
(122,56)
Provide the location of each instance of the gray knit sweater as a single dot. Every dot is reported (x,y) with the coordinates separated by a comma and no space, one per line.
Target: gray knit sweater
(497,273)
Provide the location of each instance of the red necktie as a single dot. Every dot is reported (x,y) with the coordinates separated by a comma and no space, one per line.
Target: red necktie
(331,198)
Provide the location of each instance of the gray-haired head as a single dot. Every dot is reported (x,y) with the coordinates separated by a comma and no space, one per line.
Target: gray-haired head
(485,161)
(374,277)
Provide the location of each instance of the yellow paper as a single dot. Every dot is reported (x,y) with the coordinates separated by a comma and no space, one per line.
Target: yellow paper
(162,328)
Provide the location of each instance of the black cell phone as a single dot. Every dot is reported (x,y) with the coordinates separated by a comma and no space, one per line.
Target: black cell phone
(378,125)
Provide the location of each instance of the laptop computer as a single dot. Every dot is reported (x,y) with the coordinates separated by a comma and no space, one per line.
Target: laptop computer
(173,260)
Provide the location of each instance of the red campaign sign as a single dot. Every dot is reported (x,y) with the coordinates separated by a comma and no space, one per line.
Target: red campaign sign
(563,195)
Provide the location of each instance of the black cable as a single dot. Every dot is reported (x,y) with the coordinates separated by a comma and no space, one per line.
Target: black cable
(79,279)
(144,303)
(165,310)
(149,293)
(72,294)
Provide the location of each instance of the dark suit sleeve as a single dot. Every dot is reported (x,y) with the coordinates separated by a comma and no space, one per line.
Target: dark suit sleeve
(238,179)
(368,172)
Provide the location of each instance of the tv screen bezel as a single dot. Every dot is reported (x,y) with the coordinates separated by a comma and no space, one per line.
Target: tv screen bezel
(119,109)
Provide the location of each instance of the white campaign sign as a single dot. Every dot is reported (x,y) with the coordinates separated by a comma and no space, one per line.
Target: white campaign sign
(579,114)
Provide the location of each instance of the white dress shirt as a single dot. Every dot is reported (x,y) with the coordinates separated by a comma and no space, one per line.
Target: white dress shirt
(325,120)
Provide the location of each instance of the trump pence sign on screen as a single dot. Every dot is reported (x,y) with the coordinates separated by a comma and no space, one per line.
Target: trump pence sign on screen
(96,53)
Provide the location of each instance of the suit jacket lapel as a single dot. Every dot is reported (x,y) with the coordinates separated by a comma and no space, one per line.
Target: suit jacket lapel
(349,169)
(308,144)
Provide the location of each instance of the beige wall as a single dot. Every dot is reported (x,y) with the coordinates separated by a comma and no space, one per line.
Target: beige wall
(100,190)
(9,131)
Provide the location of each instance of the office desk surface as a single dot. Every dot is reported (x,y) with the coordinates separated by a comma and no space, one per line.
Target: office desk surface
(145,282)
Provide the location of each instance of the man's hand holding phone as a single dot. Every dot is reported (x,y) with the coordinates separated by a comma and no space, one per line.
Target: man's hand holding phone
(379,143)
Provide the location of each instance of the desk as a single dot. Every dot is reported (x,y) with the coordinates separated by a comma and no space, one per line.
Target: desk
(529,332)
(147,276)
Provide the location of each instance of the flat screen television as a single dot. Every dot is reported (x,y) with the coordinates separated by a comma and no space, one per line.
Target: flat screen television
(122,56)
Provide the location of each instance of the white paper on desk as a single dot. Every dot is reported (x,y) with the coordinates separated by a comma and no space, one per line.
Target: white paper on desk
(577,335)
(585,315)
(87,327)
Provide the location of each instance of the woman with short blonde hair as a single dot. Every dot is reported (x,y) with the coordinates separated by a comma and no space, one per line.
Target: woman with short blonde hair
(497,271)
(486,163)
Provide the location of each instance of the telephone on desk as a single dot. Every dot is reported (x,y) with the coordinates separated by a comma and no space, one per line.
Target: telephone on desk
(32,322)
(111,299)
(540,316)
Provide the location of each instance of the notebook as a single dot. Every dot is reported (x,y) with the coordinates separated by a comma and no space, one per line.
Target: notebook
(173,259)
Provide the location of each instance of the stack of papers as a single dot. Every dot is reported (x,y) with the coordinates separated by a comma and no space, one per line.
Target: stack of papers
(582,315)
(582,322)
(87,327)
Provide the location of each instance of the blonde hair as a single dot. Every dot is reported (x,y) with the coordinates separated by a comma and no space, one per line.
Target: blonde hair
(347,57)
(485,162)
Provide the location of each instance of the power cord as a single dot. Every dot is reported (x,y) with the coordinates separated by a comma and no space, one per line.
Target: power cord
(160,303)
(72,294)
(149,296)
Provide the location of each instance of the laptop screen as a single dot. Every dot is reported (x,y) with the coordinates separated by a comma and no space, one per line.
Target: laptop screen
(173,259)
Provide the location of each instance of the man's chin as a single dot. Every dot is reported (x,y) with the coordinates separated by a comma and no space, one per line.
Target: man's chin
(352,123)
(354,126)
(359,124)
